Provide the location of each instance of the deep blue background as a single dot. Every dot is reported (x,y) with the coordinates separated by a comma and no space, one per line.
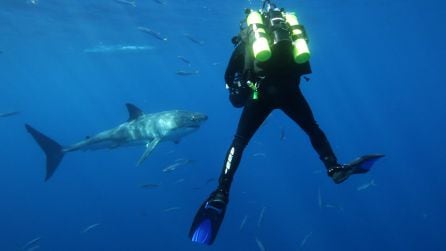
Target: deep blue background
(378,86)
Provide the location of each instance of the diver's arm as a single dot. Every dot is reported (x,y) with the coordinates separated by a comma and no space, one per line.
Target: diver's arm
(235,65)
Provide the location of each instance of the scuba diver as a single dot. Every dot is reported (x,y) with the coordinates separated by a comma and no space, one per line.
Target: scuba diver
(263,74)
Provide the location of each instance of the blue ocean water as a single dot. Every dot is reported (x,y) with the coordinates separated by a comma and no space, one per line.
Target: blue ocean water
(378,86)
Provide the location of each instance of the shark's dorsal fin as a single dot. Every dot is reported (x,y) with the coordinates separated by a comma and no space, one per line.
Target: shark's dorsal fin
(134,112)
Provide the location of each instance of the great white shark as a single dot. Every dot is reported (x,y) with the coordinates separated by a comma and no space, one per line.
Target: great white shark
(140,129)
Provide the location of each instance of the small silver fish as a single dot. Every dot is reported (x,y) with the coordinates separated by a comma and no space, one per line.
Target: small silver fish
(160,2)
(185,60)
(118,48)
(87,229)
(176,164)
(260,220)
(305,239)
(31,243)
(366,185)
(259,155)
(179,181)
(126,2)
(187,73)
(334,206)
(153,33)
(171,168)
(149,186)
(33,2)
(242,224)
(193,39)
(260,245)
(184,161)
(8,114)
(170,209)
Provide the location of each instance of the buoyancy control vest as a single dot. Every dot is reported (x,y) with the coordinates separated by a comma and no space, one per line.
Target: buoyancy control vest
(277,43)
(275,46)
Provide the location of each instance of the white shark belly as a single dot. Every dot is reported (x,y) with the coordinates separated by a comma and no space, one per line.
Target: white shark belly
(177,134)
(123,135)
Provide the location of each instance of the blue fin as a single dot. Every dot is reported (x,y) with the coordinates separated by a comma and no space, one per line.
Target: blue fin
(364,163)
(208,219)
(360,165)
(203,232)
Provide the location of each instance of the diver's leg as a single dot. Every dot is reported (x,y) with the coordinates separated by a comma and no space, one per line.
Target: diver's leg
(253,115)
(210,215)
(297,108)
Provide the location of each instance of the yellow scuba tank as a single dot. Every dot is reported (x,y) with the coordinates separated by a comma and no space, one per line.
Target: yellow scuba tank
(258,36)
(301,52)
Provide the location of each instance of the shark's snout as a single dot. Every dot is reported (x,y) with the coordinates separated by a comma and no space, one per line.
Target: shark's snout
(199,117)
(187,119)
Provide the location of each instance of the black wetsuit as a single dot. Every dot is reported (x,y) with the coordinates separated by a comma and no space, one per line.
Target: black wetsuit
(279,79)
(276,86)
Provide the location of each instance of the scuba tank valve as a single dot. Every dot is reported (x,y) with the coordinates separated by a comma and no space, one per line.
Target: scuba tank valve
(278,27)
(255,89)
(301,53)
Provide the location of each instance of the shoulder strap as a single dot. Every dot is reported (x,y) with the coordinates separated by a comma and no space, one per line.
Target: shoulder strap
(249,64)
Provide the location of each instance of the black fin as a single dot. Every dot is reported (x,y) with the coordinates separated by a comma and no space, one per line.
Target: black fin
(134,112)
(53,150)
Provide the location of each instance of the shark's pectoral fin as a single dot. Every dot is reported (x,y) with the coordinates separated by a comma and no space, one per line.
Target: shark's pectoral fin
(149,148)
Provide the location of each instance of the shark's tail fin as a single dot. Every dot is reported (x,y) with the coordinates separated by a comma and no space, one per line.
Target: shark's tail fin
(53,150)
